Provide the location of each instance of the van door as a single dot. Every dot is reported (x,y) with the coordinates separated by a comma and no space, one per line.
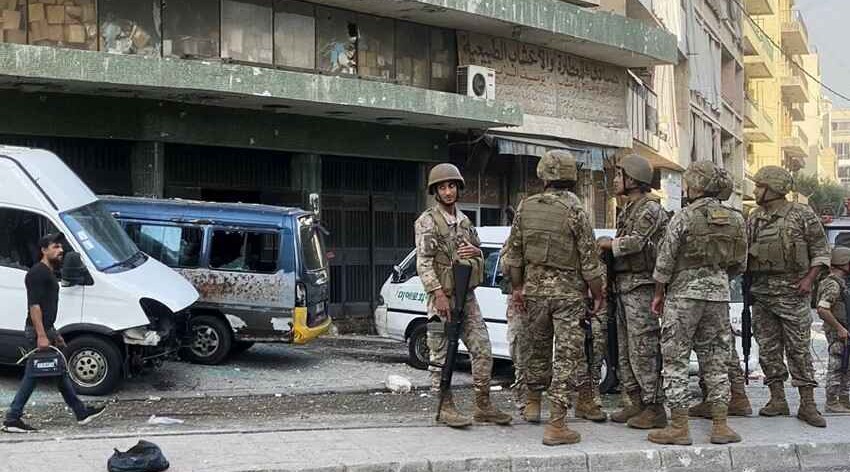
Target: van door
(20,231)
(493,303)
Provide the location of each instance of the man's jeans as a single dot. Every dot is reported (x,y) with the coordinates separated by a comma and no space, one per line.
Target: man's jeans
(66,387)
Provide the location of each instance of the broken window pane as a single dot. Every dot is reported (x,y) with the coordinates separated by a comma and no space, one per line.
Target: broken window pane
(294,34)
(246,30)
(174,246)
(337,40)
(13,21)
(376,47)
(443,60)
(412,54)
(131,26)
(191,29)
(71,25)
(244,251)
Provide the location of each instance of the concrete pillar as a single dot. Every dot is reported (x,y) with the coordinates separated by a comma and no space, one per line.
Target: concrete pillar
(147,169)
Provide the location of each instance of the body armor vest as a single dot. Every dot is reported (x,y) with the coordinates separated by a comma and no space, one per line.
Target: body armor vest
(547,238)
(715,238)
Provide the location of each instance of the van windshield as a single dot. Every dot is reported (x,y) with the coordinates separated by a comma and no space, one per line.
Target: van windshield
(103,239)
(312,245)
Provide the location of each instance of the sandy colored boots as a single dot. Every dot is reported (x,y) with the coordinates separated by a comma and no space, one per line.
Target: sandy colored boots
(587,407)
(485,412)
(739,404)
(777,405)
(676,433)
(628,411)
(837,403)
(652,416)
(450,416)
(531,413)
(557,432)
(721,433)
(808,411)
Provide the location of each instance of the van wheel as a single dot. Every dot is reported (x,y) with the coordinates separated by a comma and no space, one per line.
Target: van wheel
(417,347)
(94,364)
(241,346)
(211,340)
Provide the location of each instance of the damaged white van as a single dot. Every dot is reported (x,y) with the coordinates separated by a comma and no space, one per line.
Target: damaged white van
(118,308)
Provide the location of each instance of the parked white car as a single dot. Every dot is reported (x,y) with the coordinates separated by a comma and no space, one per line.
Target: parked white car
(401,313)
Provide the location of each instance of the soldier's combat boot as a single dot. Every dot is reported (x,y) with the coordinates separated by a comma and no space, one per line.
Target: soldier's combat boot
(845,400)
(485,412)
(808,411)
(834,405)
(450,416)
(653,416)
(777,405)
(531,412)
(703,408)
(739,403)
(676,433)
(587,408)
(721,433)
(557,432)
(630,410)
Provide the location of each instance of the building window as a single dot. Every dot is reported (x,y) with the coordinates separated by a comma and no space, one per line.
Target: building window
(191,29)
(412,54)
(376,47)
(443,60)
(246,30)
(174,246)
(337,40)
(294,34)
(73,25)
(13,22)
(244,251)
(130,27)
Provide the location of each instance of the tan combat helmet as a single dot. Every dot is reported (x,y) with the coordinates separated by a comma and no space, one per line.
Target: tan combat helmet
(637,167)
(775,178)
(705,177)
(726,185)
(557,165)
(840,256)
(444,172)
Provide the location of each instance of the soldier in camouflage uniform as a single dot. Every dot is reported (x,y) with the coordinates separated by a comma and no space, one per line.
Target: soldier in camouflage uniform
(518,341)
(552,262)
(787,253)
(704,246)
(739,404)
(832,308)
(445,236)
(640,226)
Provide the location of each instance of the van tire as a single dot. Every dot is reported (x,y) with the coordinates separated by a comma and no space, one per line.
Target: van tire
(95,364)
(417,347)
(214,344)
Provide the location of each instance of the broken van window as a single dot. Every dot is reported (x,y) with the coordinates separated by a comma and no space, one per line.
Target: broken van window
(131,27)
(174,246)
(244,251)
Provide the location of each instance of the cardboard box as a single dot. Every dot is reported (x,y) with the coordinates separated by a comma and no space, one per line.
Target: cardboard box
(15,36)
(89,13)
(38,31)
(56,14)
(74,12)
(55,33)
(11,20)
(75,34)
(36,12)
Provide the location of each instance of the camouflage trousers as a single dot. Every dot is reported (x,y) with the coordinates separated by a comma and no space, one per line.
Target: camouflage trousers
(475,338)
(733,366)
(782,328)
(638,333)
(702,326)
(837,382)
(557,346)
(519,344)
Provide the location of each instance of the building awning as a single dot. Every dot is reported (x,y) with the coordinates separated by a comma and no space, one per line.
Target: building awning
(589,156)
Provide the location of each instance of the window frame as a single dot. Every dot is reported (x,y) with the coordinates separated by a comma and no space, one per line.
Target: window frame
(230,60)
(213,228)
(68,241)
(201,263)
(275,65)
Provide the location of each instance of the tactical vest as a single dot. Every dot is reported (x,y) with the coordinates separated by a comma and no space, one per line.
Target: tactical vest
(715,238)
(839,310)
(447,256)
(773,251)
(643,261)
(546,237)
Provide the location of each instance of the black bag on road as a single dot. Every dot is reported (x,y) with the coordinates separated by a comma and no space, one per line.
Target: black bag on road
(143,457)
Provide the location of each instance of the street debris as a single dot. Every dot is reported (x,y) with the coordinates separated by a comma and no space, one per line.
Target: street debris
(398,384)
(164,420)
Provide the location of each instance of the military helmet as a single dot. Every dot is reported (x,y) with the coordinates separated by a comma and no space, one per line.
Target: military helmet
(775,178)
(444,172)
(704,176)
(726,185)
(637,167)
(840,256)
(557,165)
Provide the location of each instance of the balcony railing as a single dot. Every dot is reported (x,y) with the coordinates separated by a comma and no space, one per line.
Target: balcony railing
(643,113)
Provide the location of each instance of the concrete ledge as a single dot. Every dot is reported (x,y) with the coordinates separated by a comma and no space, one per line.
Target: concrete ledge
(824,457)
(769,458)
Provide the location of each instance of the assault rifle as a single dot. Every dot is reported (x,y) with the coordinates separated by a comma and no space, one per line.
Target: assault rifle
(461,273)
(588,344)
(747,324)
(613,305)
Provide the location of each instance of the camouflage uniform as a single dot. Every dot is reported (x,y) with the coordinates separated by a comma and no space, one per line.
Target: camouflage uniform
(784,244)
(640,227)
(520,348)
(434,256)
(696,311)
(831,296)
(599,327)
(557,264)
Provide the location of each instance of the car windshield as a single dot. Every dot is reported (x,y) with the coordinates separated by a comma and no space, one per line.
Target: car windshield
(103,239)
(312,245)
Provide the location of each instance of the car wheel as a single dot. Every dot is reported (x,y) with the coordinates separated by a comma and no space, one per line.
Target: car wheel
(94,364)
(417,347)
(211,340)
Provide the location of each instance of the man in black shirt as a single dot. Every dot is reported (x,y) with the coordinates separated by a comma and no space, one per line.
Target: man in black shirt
(43,302)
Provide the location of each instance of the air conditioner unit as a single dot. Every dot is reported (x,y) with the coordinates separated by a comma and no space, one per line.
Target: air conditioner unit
(476,81)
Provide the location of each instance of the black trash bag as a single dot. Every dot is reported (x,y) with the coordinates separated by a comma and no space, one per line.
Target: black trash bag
(143,457)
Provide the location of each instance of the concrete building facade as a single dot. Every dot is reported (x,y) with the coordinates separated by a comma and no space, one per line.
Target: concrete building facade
(840,139)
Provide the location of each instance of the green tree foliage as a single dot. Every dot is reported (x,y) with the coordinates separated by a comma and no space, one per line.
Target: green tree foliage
(824,195)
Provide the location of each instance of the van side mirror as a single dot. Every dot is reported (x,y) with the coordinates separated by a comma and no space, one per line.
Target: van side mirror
(315,206)
(74,272)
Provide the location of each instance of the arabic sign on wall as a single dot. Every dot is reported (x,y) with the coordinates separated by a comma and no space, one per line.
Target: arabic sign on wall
(548,82)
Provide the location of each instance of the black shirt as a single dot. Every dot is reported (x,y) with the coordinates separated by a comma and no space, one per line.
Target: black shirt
(42,290)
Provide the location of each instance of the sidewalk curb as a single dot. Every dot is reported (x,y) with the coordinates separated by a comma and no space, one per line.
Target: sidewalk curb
(803,457)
